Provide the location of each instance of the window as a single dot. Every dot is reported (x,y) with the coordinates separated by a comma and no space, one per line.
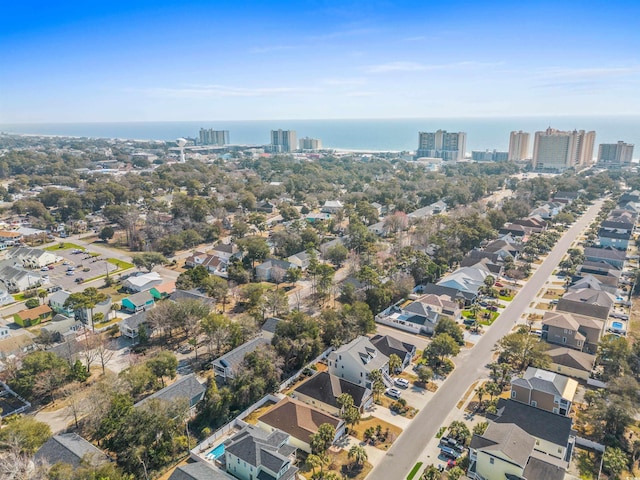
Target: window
(513,394)
(360,373)
(564,339)
(534,403)
(491,460)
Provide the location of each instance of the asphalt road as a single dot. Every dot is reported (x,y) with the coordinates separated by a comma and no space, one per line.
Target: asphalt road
(471,366)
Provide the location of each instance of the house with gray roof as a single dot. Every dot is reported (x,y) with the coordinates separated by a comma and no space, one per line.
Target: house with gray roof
(355,360)
(416,318)
(389,345)
(507,451)
(227,365)
(323,389)
(609,255)
(466,279)
(587,302)
(265,271)
(188,388)
(571,330)
(130,326)
(570,362)
(544,390)
(254,453)
(69,448)
(199,471)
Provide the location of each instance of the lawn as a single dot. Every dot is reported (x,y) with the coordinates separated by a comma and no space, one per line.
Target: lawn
(252,418)
(553,293)
(63,246)
(488,321)
(386,401)
(414,471)
(122,265)
(506,298)
(358,431)
(339,463)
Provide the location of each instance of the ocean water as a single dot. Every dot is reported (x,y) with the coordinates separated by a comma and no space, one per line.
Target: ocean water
(356,134)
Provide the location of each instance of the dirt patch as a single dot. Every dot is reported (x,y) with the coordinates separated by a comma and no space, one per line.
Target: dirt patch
(252,418)
(466,395)
(553,293)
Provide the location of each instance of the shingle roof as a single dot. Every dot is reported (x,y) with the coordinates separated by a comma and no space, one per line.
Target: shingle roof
(140,298)
(270,324)
(363,352)
(540,468)
(548,382)
(235,357)
(69,448)
(387,345)
(198,471)
(510,439)
(539,423)
(571,358)
(326,388)
(606,253)
(590,297)
(298,419)
(134,321)
(188,387)
(570,320)
(189,295)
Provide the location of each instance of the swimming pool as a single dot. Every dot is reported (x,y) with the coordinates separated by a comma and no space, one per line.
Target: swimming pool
(216,453)
(617,325)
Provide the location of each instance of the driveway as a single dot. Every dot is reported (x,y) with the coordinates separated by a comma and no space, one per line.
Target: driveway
(471,365)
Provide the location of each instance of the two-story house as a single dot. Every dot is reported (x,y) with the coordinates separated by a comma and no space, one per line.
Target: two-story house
(253,454)
(544,390)
(388,345)
(416,318)
(572,330)
(323,389)
(507,451)
(587,302)
(356,360)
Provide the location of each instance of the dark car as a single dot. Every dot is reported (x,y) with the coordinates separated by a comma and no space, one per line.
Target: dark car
(450,452)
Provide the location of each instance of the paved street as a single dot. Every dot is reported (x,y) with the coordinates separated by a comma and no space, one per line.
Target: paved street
(470,366)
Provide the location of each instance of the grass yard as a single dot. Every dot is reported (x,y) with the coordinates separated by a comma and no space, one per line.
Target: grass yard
(488,321)
(506,298)
(368,422)
(252,418)
(553,293)
(386,401)
(122,265)
(63,246)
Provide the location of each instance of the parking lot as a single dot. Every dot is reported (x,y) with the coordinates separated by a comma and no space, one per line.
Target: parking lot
(84,266)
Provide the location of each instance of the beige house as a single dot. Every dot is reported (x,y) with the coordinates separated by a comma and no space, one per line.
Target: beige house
(571,363)
(356,360)
(572,330)
(545,390)
(323,389)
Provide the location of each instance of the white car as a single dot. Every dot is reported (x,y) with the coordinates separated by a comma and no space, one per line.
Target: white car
(44,269)
(393,392)
(70,273)
(401,382)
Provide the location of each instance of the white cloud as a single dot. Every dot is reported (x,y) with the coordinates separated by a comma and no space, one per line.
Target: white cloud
(344,82)
(420,67)
(585,73)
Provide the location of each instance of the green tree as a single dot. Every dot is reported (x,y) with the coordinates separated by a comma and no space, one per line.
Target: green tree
(480,428)
(521,350)
(32,303)
(449,326)
(322,439)
(358,455)
(455,473)
(425,374)
(26,432)
(431,473)
(106,233)
(377,384)
(613,355)
(164,364)
(255,248)
(441,347)
(148,260)
(395,363)
(87,299)
(337,254)
(460,432)
(41,371)
(615,460)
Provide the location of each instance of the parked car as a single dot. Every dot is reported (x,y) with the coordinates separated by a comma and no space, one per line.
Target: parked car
(185,349)
(44,269)
(498,284)
(493,308)
(79,280)
(554,301)
(450,452)
(66,262)
(70,273)
(401,382)
(393,392)
(537,333)
(50,267)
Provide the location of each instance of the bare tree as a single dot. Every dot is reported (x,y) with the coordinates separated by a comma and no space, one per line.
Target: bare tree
(277,275)
(15,465)
(75,403)
(89,353)
(105,351)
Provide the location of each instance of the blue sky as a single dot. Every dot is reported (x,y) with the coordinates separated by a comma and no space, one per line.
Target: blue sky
(224,60)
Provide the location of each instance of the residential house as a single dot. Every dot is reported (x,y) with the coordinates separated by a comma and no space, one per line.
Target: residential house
(609,255)
(187,388)
(534,223)
(32,257)
(548,210)
(16,345)
(507,451)
(32,316)
(454,295)
(624,223)
(300,421)
(253,453)
(355,360)
(599,269)
(162,291)
(595,282)
(494,269)
(415,318)
(265,207)
(553,432)
(57,300)
(570,362)
(142,283)
(10,237)
(545,390)
(10,402)
(618,239)
(87,315)
(428,211)
(587,302)
(4,332)
(441,304)
(332,206)
(198,471)
(227,365)
(302,259)
(566,197)
(505,247)
(191,295)
(5,298)
(60,325)
(515,230)
(214,264)
(387,345)
(466,279)
(573,331)
(17,279)
(323,389)
(71,449)
(265,272)
(226,251)
(138,302)
(130,326)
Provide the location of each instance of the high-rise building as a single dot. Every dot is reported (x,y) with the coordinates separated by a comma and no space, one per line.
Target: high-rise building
(307,143)
(283,141)
(615,154)
(442,144)
(557,150)
(209,136)
(518,146)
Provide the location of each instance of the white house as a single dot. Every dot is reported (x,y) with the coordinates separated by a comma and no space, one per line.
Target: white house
(356,360)
(33,257)
(142,283)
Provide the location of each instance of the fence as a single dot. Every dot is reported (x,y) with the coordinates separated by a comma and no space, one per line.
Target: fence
(596,383)
(583,442)
(9,404)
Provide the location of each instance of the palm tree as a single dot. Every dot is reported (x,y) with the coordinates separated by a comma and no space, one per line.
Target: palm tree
(431,473)
(358,454)
(317,461)
(480,391)
(395,363)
